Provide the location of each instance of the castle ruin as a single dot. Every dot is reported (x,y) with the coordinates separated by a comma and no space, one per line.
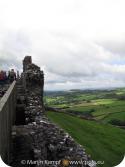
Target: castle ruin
(34,136)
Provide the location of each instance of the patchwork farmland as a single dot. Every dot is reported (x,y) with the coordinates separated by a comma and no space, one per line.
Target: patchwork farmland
(103,136)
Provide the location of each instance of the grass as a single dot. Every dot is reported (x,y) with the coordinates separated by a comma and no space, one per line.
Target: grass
(104,101)
(119,116)
(103,108)
(106,104)
(102,141)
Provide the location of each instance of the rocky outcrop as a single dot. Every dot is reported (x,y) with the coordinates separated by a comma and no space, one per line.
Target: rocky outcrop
(39,139)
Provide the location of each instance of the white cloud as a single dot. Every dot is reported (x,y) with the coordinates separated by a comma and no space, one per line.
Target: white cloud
(79,43)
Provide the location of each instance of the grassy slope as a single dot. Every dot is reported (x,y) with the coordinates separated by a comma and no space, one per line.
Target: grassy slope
(103,107)
(118,116)
(103,142)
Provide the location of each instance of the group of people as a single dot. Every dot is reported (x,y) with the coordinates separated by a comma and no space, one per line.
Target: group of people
(7,77)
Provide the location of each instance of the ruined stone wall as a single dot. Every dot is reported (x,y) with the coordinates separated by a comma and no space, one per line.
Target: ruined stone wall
(40,139)
(27,60)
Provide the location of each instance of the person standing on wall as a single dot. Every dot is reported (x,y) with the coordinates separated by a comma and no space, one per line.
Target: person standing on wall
(3,77)
(12,76)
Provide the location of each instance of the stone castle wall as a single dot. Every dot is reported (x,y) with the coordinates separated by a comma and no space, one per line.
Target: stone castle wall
(37,138)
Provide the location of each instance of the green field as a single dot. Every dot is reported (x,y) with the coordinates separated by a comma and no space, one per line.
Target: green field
(103,142)
(119,116)
(104,106)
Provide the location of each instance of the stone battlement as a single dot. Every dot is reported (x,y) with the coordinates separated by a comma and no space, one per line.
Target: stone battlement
(34,136)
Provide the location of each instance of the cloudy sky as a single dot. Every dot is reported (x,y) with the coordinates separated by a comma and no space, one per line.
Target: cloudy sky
(78,43)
